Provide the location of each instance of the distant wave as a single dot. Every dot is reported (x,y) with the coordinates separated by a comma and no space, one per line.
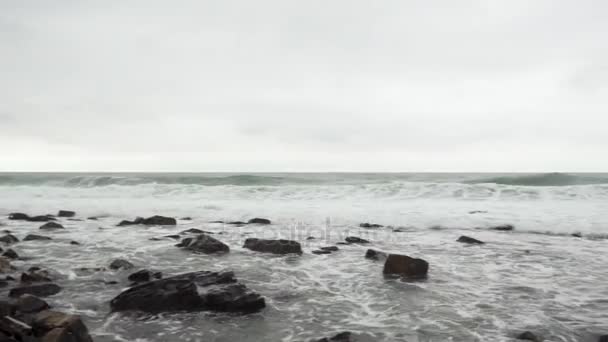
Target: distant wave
(545,179)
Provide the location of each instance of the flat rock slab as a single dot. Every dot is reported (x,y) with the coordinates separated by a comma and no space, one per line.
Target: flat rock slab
(273,246)
(196,291)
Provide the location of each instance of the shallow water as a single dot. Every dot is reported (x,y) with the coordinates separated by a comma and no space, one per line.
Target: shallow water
(536,278)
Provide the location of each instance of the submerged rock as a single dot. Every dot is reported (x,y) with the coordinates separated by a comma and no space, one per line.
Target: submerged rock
(273,246)
(121,264)
(33,237)
(374,254)
(40,290)
(370,225)
(577,234)
(9,239)
(30,304)
(528,336)
(258,220)
(204,244)
(469,240)
(505,227)
(75,243)
(66,213)
(405,266)
(187,218)
(196,291)
(144,276)
(51,225)
(354,239)
(55,326)
(237,223)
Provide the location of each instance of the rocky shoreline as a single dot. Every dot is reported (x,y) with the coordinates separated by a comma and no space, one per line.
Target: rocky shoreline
(26,316)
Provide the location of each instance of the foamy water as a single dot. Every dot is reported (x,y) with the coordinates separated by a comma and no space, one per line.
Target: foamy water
(536,278)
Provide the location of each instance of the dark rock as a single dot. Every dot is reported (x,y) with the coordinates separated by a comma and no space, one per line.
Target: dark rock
(11,254)
(195,291)
(205,244)
(216,221)
(273,246)
(9,239)
(51,225)
(185,242)
(603,338)
(138,220)
(18,216)
(159,221)
(505,227)
(40,290)
(41,218)
(318,251)
(237,223)
(370,225)
(76,243)
(529,336)
(193,231)
(341,337)
(121,264)
(55,326)
(14,330)
(374,254)
(66,213)
(354,239)
(144,276)
(310,238)
(174,237)
(92,218)
(405,265)
(35,275)
(470,240)
(6,308)
(478,212)
(32,237)
(258,220)
(330,248)
(110,282)
(578,235)
(30,304)
(186,219)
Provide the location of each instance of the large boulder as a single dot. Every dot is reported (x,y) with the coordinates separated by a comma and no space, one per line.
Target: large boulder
(39,290)
(51,225)
(273,246)
(55,326)
(258,220)
(196,291)
(204,244)
(66,213)
(469,240)
(159,221)
(405,266)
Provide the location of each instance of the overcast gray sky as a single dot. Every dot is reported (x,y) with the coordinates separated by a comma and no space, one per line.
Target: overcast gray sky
(340,85)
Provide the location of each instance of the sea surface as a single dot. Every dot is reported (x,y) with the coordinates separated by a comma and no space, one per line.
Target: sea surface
(538,277)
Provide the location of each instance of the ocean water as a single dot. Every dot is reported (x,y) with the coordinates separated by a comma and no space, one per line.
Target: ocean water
(537,277)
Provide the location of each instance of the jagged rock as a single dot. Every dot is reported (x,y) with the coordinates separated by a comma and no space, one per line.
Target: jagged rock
(529,336)
(258,220)
(9,239)
(51,225)
(35,275)
(121,264)
(195,291)
(354,239)
(66,213)
(18,216)
(33,237)
(55,326)
(204,244)
(469,240)
(405,265)
(40,290)
(144,276)
(30,304)
(370,225)
(374,254)
(505,227)
(273,246)
(11,254)
(159,221)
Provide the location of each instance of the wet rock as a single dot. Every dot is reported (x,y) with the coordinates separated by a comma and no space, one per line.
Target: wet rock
(375,255)
(370,225)
(92,218)
(174,237)
(578,235)
(75,243)
(318,251)
(14,330)
(405,266)
(197,291)
(273,246)
(186,219)
(11,254)
(159,221)
(341,337)
(66,213)
(603,338)
(35,275)
(6,308)
(505,227)
(192,231)
(33,237)
(121,264)
(216,221)
(258,220)
(204,244)
(39,290)
(528,336)
(55,326)
(138,220)
(310,238)
(330,248)
(41,218)
(144,276)
(469,240)
(18,216)
(354,239)
(5,265)
(30,304)
(9,239)
(237,223)
(51,225)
